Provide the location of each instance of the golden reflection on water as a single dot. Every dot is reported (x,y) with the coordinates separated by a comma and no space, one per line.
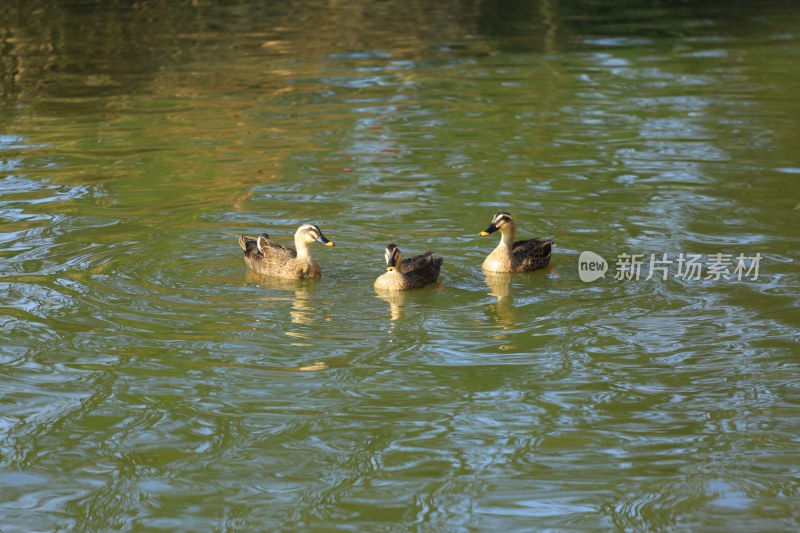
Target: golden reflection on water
(301,310)
(501,287)
(396,301)
(299,292)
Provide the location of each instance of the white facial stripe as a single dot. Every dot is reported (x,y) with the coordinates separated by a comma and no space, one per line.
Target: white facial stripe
(312,230)
(500,219)
(392,251)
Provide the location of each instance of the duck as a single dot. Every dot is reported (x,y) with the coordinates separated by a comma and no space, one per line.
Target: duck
(510,256)
(266,257)
(411,273)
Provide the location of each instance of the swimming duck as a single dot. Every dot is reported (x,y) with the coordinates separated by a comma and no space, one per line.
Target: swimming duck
(411,273)
(510,256)
(266,257)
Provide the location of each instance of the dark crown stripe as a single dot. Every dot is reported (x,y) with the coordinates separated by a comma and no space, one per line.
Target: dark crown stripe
(501,217)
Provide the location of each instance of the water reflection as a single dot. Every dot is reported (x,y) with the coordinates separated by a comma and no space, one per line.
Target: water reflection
(500,286)
(396,301)
(300,290)
(301,313)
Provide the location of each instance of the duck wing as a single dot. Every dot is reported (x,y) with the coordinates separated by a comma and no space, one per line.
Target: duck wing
(422,269)
(278,252)
(532,254)
(250,244)
(272,251)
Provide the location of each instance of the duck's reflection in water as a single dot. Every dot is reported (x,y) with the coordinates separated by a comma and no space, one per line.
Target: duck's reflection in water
(396,301)
(302,312)
(500,286)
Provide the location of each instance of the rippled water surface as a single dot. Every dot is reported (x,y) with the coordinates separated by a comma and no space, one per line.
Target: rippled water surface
(151,382)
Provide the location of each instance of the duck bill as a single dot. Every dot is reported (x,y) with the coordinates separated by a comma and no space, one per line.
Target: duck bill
(322,240)
(488,231)
(391,263)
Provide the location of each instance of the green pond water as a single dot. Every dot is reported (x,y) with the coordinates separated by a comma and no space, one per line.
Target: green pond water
(150,382)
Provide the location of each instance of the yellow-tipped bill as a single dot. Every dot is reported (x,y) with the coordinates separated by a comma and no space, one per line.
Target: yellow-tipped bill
(323,240)
(491,229)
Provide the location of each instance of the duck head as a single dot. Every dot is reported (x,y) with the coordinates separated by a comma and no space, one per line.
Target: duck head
(501,221)
(308,233)
(392,256)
